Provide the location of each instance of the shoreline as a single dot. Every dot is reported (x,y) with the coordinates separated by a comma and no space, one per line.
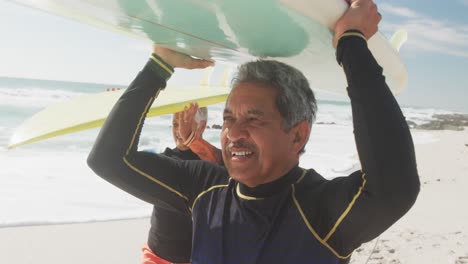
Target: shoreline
(435,230)
(64,223)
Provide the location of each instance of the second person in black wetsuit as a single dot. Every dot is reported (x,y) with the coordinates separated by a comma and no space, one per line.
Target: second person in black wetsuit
(170,235)
(262,207)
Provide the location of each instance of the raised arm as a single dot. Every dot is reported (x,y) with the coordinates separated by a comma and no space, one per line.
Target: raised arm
(115,157)
(388,184)
(191,130)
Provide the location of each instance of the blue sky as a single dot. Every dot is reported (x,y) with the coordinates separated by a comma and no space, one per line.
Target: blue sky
(436,53)
(39,45)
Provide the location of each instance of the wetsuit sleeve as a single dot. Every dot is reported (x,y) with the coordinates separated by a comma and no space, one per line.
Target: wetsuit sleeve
(115,156)
(367,202)
(206,151)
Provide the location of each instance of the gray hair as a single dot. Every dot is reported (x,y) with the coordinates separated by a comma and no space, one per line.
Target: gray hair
(295,102)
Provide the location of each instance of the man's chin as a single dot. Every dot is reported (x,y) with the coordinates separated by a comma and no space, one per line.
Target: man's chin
(241,175)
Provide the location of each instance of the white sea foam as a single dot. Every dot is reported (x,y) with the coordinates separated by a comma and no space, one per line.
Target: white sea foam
(52,183)
(41,184)
(34,96)
(334,114)
(49,182)
(58,187)
(422,115)
(330,151)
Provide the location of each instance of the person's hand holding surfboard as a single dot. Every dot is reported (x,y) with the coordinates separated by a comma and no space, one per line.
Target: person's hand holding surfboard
(361,15)
(180,60)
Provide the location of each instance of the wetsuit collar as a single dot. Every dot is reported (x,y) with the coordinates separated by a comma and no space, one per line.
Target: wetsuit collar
(271,188)
(180,154)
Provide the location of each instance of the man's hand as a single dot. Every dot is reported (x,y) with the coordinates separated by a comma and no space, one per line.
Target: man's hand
(362,15)
(180,60)
(187,123)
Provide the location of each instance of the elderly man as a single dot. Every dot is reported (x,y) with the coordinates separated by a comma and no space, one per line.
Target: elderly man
(262,207)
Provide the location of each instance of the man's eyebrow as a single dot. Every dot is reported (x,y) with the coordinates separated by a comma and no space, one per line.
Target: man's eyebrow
(256,112)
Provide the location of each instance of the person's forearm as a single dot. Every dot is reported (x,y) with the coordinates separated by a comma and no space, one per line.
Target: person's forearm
(382,136)
(120,133)
(114,156)
(206,151)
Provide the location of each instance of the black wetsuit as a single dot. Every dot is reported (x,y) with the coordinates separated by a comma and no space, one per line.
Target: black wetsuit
(170,235)
(299,218)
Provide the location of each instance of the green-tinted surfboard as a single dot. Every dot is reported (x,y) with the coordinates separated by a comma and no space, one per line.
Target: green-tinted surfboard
(293,31)
(228,31)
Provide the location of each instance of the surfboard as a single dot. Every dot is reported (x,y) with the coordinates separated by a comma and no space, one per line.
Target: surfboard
(90,111)
(297,32)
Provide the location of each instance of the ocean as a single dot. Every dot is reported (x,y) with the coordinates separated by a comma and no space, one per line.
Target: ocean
(49,182)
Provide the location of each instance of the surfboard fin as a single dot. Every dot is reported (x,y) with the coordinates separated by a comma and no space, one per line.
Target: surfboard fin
(226,77)
(206,80)
(399,38)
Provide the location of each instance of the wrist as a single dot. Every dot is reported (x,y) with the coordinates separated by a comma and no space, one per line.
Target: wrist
(348,35)
(190,139)
(351,33)
(160,66)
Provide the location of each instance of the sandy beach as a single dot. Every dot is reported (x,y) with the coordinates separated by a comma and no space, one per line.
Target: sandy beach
(103,242)
(434,231)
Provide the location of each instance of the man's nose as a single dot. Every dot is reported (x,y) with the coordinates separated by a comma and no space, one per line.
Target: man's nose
(237,132)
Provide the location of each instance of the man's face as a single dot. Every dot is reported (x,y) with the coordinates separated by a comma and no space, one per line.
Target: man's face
(256,149)
(175,133)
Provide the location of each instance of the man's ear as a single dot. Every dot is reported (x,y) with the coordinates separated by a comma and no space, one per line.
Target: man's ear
(301,133)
